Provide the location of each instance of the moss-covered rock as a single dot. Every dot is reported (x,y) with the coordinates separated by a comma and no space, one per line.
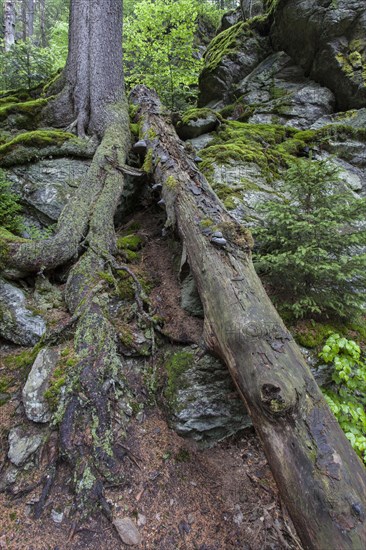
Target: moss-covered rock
(196,122)
(22,115)
(30,146)
(231,55)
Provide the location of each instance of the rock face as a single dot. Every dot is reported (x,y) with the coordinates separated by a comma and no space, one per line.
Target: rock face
(278,92)
(202,398)
(17,323)
(46,186)
(231,56)
(328,40)
(35,405)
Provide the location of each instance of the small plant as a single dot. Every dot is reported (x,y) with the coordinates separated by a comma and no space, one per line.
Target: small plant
(310,244)
(347,396)
(9,207)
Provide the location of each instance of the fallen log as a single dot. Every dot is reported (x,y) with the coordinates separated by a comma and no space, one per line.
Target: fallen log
(319,476)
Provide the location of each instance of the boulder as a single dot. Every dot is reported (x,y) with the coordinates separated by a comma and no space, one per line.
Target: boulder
(328,40)
(35,405)
(22,445)
(202,398)
(17,323)
(127,531)
(203,122)
(229,19)
(46,186)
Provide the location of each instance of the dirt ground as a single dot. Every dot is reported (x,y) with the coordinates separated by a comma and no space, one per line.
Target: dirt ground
(180,496)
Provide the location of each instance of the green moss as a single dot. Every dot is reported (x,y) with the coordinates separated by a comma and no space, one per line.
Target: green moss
(126,335)
(9,99)
(108,277)
(191,115)
(206,223)
(5,383)
(177,364)
(125,286)
(312,334)
(51,83)
(135,129)
(225,43)
(243,142)
(24,359)
(148,162)
(353,61)
(133,110)
(27,113)
(171,183)
(130,242)
(37,139)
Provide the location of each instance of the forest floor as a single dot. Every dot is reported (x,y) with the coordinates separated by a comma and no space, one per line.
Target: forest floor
(180,495)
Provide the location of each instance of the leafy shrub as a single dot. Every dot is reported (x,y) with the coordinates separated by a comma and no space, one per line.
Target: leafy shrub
(347,397)
(9,207)
(160,51)
(310,244)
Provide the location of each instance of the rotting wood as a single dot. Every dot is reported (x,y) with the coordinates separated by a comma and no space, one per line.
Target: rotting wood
(319,476)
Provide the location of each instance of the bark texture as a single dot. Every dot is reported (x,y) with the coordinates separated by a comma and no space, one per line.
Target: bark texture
(28,18)
(9,24)
(320,478)
(93,76)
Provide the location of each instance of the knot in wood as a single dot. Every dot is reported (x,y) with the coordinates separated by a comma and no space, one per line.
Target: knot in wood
(272,399)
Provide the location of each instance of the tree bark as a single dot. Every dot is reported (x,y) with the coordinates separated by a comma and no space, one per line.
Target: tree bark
(42,22)
(9,24)
(27,18)
(94,77)
(321,479)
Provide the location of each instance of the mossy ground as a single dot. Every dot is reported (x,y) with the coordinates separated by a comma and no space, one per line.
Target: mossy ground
(243,142)
(312,334)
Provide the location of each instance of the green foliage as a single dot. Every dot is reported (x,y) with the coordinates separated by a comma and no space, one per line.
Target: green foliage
(160,51)
(310,244)
(9,207)
(26,65)
(347,397)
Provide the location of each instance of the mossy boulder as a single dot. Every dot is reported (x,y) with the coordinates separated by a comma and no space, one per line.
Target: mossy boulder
(46,186)
(196,122)
(22,115)
(277,91)
(31,146)
(231,55)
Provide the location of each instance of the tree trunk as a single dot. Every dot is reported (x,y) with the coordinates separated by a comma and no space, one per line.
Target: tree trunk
(94,77)
(42,22)
(27,18)
(321,479)
(9,24)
